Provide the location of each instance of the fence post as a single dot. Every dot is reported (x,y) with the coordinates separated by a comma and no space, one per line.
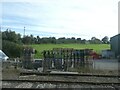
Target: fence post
(44,61)
(28,58)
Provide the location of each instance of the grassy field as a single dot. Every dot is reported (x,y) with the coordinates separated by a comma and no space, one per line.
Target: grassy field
(95,47)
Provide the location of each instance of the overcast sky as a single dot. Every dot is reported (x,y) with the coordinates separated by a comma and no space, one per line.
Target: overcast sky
(62,18)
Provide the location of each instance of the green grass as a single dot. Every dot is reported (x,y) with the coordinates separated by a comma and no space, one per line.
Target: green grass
(95,47)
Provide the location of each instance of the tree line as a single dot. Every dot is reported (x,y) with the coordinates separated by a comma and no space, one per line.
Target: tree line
(30,39)
(13,43)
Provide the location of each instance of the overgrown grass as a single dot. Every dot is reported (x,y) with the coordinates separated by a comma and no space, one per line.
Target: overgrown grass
(10,73)
(95,47)
(90,70)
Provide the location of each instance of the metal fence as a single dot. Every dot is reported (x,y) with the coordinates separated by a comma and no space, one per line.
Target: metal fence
(63,58)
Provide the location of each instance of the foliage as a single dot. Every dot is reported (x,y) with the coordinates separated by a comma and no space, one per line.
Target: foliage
(105,40)
(95,40)
(11,36)
(12,49)
(13,43)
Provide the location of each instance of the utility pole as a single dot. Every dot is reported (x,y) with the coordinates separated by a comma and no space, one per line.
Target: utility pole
(1,37)
(0,29)
(24,31)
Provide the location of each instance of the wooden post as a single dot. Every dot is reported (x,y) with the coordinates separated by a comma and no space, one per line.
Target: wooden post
(44,61)
(82,56)
(28,58)
(74,59)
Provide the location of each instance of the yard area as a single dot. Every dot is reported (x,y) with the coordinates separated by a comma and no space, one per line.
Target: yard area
(10,72)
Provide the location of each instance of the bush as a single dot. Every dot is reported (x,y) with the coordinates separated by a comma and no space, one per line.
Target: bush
(12,49)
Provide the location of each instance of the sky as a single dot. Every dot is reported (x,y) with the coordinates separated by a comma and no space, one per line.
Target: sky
(61,18)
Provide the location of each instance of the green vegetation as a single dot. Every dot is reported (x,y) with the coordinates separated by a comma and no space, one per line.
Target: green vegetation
(12,49)
(41,47)
(13,44)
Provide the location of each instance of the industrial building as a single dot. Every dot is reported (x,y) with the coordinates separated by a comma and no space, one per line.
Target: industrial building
(115,45)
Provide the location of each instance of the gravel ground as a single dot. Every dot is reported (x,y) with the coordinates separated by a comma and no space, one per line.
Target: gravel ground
(14,74)
(70,78)
(63,78)
(49,85)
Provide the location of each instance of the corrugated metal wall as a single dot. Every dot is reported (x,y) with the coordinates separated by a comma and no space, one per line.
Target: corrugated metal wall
(115,44)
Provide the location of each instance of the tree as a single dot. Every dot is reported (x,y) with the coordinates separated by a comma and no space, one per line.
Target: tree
(32,39)
(35,40)
(61,40)
(11,36)
(12,49)
(105,40)
(27,40)
(52,40)
(38,40)
(95,40)
(73,40)
(79,40)
(83,41)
